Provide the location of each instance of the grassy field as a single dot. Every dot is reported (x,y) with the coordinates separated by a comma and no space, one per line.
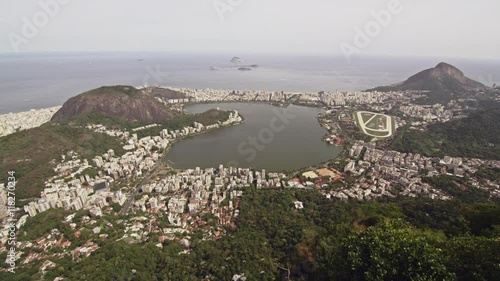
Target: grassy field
(368,124)
(376,121)
(365,117)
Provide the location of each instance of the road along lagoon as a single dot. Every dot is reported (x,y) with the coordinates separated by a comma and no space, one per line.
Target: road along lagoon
(272,138)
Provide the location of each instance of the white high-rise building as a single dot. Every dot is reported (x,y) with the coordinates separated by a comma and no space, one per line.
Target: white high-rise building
(95,212)
(153,202)
(66,202)
(218,181)
(43,205)
(30,209)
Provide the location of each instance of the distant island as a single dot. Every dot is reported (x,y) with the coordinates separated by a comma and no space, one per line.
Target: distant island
(237,63)
(237,60)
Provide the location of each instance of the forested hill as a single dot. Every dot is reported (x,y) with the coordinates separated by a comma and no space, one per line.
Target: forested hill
(481,128)
(408,239)
(442,83)
(476,136)
(443,77)
(124,102)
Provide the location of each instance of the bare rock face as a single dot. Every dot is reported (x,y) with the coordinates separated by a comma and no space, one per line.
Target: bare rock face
(448,69)
(124,102)
(447,74)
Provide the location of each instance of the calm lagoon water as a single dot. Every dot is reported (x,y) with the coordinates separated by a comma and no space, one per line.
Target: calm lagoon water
(278,145)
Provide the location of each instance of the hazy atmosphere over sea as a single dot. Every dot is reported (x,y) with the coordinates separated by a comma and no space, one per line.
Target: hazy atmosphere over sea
(249,140)
(36,80)
(51,51)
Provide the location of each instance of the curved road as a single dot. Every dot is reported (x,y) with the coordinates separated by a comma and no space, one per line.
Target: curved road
(132,195)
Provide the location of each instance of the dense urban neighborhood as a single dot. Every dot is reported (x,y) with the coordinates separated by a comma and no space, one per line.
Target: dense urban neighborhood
(151,201)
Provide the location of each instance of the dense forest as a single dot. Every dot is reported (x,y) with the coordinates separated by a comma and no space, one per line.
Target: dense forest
(397,239)
(476,136)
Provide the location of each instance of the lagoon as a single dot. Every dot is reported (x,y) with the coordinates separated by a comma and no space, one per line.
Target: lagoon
(272,138)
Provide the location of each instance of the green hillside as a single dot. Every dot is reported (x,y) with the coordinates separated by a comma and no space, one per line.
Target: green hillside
(442,83)
(477,136)
(404,239)
(30,153)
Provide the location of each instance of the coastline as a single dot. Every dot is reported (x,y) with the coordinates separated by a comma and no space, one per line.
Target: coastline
(173,142)
(14,122)
(273,104)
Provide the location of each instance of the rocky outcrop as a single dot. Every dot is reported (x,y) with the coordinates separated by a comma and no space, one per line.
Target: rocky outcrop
(124,102)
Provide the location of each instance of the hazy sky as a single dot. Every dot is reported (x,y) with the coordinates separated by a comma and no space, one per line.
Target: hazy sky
(452,28)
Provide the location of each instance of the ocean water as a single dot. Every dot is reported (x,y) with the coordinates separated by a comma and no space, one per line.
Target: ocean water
(39,80)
